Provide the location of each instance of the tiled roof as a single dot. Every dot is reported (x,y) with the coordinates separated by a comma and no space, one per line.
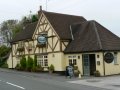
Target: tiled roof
(91,36)
(61,23)
(26,33)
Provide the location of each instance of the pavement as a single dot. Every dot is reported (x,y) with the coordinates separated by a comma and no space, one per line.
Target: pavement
(108,82)
(17,80)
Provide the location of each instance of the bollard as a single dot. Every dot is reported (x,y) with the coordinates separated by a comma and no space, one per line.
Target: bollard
(80,76)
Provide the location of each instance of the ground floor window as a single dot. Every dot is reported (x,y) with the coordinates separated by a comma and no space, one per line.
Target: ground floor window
(42,60)
(72,60)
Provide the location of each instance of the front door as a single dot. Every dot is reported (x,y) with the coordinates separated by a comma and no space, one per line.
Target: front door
(86,65)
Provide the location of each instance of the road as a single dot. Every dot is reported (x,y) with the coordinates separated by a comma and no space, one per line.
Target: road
(14,80)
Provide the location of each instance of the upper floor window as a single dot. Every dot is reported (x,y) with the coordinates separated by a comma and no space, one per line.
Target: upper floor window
(21,44)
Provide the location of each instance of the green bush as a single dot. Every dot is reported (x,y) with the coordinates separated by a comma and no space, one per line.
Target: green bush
(29,63)
(35,61)
(5,65)
(4,50)
(23,63)
(18,67)
(34,68)
(51,68)
(39,68)
(97,73)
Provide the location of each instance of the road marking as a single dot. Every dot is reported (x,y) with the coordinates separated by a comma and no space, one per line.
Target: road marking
(15,85)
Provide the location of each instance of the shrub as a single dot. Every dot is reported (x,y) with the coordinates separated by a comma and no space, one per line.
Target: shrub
(34,68)
(97,73)
(29,63)
(5,65)
(51,68)
(39,68)
(35,61)
(23,63)
(18,67)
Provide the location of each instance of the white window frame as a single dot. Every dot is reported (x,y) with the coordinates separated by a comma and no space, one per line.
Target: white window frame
(42,60)
(72,59)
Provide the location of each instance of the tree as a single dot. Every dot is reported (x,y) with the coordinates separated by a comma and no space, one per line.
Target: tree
(17,28)
(4,52)
(34,18)
(9,29)
(25,20)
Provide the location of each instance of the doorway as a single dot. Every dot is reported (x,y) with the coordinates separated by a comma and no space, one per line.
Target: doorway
(89,64)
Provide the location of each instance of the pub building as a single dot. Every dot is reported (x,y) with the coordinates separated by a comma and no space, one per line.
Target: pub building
(62,39)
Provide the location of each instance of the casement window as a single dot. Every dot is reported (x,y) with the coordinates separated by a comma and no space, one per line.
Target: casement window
(115,59)
(42,60)
(72,60)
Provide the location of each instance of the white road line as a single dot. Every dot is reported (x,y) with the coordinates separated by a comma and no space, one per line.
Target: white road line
(15,85)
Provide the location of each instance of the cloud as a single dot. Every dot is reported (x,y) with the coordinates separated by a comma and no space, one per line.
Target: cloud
(105,12)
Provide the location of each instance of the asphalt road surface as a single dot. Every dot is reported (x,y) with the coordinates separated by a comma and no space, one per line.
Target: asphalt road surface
(14,80)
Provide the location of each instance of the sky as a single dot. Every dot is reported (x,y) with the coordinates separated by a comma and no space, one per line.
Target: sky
(106,12)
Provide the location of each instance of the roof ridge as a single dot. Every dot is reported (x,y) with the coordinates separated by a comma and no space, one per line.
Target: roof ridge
(61,13)
(98,37)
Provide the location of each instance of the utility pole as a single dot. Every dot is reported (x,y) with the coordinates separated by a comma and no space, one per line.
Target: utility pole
(46,4)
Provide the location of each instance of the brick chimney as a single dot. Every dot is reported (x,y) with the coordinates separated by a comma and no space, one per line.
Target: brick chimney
(40,10)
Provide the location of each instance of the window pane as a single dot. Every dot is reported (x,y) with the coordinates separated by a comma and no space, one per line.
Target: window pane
(115,59)
(42,60)
(70,61)
(74,62)
(46,62)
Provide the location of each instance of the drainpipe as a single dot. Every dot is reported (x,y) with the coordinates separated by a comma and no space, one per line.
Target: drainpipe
(71,32)
(103,64)
(12,54)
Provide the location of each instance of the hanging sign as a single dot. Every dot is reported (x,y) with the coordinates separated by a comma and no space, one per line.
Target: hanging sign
(42,39)
(108,57)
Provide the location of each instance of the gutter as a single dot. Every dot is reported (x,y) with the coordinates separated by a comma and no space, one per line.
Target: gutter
(103,64)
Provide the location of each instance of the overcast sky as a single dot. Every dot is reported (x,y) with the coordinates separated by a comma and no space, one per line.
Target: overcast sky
(106,12)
